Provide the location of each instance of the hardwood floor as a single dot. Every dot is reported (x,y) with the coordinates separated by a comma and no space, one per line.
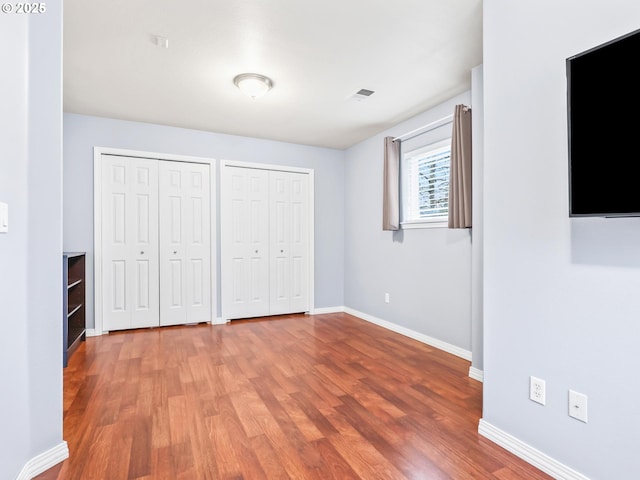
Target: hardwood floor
(291,397)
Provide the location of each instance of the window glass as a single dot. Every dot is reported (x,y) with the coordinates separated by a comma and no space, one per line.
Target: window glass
(425,183)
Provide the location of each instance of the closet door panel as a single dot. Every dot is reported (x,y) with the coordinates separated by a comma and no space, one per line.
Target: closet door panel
(280,242)
(198,243)
(115,254)
(245,240)
(299,244)
(172,252)
(265,242)
(145,230)
(185,258)
(129,242)
(289,242)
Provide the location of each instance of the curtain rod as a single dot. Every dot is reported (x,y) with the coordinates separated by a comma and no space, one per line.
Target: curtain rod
(405,135)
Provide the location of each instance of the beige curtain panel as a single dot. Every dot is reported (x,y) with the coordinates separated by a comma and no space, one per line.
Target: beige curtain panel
(391,190)
(460,172)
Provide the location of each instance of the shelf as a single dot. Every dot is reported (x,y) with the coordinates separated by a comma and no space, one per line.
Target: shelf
(73,316)
(79,337)
(74,309)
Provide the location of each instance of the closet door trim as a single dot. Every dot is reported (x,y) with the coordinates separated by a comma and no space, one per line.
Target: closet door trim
(98,152)
(283,168)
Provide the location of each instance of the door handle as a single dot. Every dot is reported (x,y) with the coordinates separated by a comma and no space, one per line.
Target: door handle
(142,252)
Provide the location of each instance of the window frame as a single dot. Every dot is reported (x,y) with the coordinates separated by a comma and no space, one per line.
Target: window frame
(440,221)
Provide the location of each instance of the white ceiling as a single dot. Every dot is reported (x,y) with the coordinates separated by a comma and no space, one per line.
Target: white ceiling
(413,53)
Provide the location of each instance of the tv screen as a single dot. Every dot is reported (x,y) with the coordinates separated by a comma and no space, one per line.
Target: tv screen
(604,129)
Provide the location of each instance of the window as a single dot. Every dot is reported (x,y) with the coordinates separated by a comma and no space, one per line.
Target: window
(425,185)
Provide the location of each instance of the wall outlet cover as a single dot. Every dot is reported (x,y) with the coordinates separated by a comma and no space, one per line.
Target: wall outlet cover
(537,390)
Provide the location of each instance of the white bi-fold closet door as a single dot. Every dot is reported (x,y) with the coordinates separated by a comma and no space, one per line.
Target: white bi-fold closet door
(155,242)
(266,219)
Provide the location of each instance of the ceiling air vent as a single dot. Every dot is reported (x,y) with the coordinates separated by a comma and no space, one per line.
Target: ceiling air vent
(362,94)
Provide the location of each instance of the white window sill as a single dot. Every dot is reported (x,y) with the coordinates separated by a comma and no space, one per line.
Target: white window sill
(424,224)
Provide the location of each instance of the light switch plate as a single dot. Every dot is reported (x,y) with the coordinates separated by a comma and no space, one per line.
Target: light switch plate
(4,217)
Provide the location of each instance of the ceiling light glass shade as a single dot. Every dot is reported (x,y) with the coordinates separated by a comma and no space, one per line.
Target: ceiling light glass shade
(252,84)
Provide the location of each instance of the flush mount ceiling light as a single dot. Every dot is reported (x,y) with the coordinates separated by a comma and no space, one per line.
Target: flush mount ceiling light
(253,85)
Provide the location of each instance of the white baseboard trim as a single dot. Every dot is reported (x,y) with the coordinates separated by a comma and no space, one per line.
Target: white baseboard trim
(529,454)
(476,374)
(434,342)
(44,461)
(90,332)
(324,310)
(219,321)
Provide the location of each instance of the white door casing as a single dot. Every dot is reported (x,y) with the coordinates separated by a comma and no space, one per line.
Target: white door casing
(185,272)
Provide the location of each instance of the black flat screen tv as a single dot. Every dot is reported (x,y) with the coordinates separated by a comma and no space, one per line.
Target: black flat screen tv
(604,129)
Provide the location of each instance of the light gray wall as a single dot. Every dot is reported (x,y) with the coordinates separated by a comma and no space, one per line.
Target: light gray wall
(561,295)
(477,232)
(14,353)
(427,272)
(31,253)
(45,227)
(82,133)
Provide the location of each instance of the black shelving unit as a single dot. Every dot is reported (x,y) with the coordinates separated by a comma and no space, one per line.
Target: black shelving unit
(73,311)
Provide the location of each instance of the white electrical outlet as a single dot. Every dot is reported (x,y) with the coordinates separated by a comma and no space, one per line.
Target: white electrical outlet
(387,298)
(537,390)
(578,406)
